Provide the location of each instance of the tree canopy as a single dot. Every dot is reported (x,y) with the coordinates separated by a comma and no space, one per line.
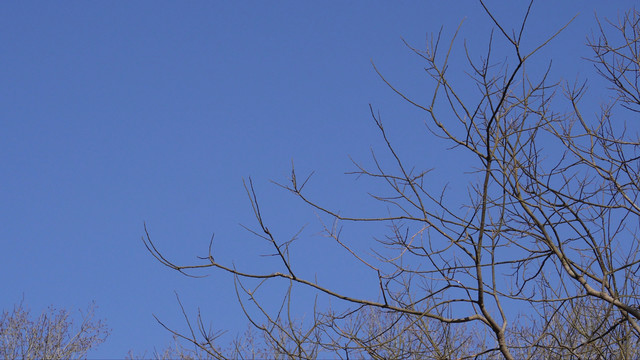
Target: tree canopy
(52,335)
(533,252)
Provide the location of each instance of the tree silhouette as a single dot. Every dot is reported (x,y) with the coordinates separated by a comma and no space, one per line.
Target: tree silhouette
(53,335)
(539,260)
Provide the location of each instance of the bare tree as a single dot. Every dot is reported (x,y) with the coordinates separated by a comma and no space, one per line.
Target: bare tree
(539,259)
(53,335)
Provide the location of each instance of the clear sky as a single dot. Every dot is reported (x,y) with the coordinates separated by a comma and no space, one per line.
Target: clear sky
(116,113)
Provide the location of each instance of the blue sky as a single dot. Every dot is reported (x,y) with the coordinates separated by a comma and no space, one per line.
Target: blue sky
(117,113)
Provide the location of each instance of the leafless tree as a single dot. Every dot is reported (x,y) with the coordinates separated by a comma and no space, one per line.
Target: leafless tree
(538,259)
(52,335)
